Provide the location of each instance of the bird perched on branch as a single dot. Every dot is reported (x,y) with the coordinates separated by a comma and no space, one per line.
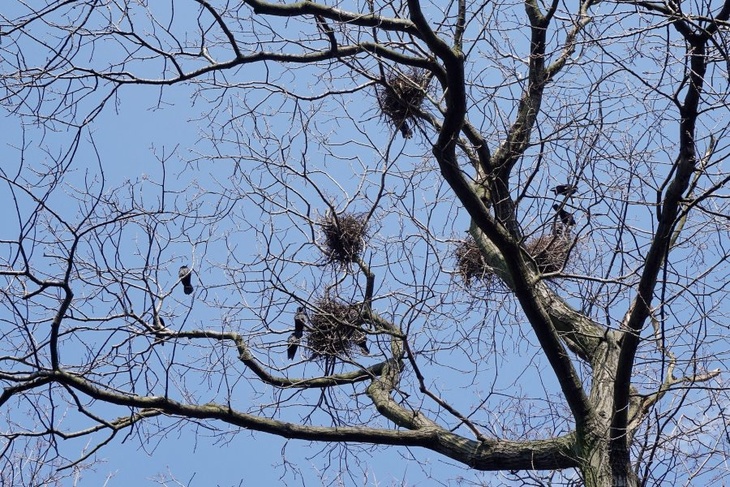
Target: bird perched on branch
(159,329)
(566,217)
(185,277)
(293,344)
(160,323)
(300,320)
(565,190)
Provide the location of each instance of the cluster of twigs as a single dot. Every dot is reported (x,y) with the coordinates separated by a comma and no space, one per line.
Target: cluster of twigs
(401,98)
(335,330)
(550,251)
(471,263)
(344,237)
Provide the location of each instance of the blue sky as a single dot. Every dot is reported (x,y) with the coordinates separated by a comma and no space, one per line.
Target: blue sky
(126,143)
(249,231)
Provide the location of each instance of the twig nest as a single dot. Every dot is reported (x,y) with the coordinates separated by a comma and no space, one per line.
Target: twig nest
(335,330)
(402,97)
(550,251)
(344,237)
(471,263)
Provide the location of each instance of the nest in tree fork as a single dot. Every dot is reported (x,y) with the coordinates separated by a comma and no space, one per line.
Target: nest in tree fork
(402,98)
(550,251)
(344,237)
(471,262)
(334,329)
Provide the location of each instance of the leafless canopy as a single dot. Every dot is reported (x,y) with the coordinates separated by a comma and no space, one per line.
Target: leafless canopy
(582,145)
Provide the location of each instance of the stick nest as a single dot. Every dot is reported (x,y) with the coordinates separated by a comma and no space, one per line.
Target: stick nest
(402,98)
(471,263)
(344,237)
(334,329)
(550,251)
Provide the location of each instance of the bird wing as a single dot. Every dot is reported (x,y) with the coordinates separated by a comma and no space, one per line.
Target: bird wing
(299,321)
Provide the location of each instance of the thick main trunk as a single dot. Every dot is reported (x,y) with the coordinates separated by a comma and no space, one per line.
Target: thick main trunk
(604,463)
(596,468)
(601,469)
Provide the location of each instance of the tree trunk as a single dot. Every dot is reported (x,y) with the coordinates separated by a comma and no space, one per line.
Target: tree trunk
(602,469)
(605,463)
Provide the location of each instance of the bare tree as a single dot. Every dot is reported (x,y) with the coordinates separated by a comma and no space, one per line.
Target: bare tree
(574,336)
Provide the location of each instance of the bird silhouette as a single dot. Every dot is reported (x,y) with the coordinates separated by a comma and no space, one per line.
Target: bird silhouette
(293,344)
(565,216)
(159,329)
(300,321)
(160,322)
(565,190)
(406,130)
(185,277)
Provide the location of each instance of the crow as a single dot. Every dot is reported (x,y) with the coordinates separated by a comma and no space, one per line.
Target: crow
(406,130)
(565,216)
(565,190)
(293,343)
(185,276)
(300,320)
(159,329)
(160,322)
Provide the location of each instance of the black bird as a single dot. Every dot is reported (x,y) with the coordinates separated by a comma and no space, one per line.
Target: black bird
(293,343)
(185,276)
(565,216)
(159,329)
(406,130)
(300,320)
(565,190)
(160,322)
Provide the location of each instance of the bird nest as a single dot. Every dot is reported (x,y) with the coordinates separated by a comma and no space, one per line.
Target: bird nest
(550,251)
(471,263)
(402,98)
(334,329)
(344,237)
